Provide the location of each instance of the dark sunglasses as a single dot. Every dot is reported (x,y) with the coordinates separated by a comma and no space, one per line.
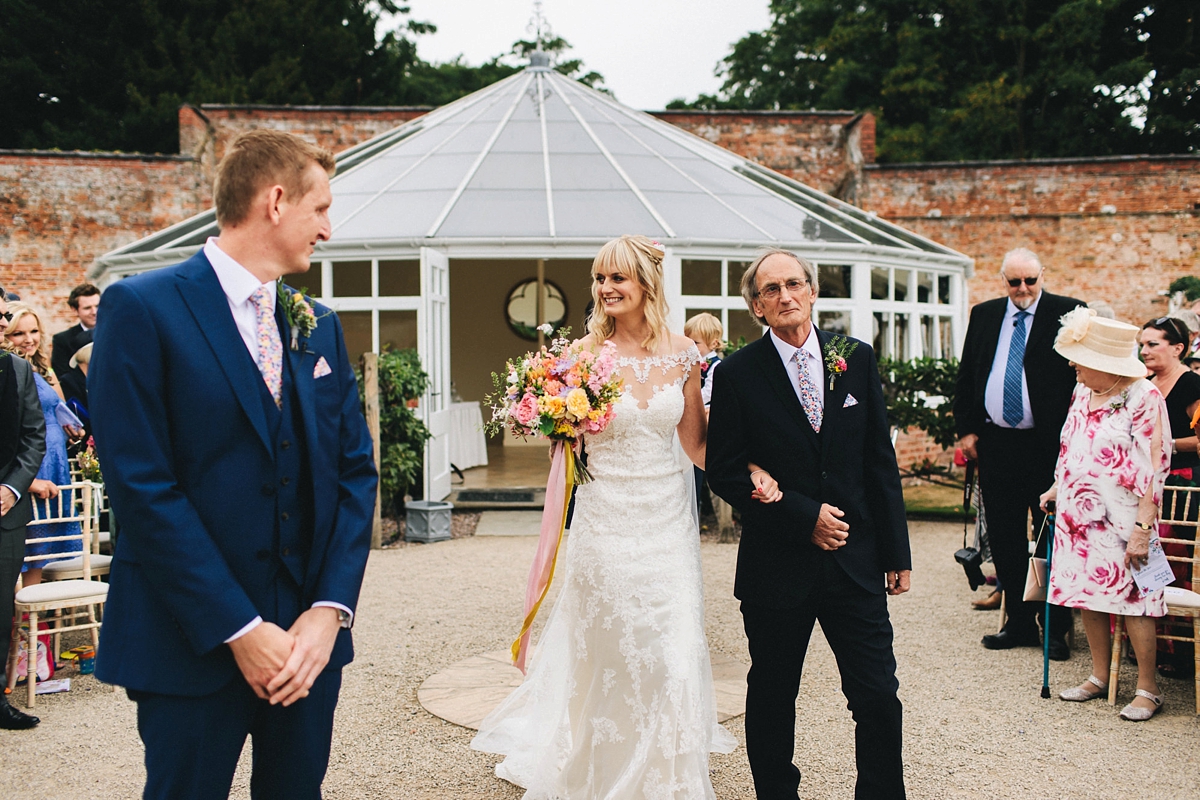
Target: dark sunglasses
(1015,282)
(1173,325)
(6,316)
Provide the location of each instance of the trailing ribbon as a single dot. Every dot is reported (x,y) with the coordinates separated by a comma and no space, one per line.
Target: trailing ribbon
(554,520)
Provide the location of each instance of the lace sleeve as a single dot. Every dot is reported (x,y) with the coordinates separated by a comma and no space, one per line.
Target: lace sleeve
(688,359)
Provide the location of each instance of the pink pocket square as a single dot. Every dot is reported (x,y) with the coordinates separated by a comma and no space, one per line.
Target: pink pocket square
(322,368)
(850,401)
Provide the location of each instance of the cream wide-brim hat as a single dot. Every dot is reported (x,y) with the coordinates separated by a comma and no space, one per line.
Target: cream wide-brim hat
(1106,345)
(86,352)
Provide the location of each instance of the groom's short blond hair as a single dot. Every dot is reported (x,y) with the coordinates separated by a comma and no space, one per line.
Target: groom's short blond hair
(262,158)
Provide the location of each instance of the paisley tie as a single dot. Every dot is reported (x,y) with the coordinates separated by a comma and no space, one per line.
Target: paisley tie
(810,398)
(270,346)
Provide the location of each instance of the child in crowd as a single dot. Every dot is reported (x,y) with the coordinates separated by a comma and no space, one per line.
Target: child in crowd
(705,330)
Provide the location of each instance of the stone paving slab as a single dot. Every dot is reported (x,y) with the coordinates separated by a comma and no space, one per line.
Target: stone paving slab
(465,692)
(509,523)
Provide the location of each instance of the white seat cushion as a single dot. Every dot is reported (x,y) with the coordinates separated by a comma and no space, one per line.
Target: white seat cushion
(76,564)
(58,591)
(1176,596)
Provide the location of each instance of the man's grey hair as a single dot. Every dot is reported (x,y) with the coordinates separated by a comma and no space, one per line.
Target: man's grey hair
(1189,318)
(750,276)
(1021,254)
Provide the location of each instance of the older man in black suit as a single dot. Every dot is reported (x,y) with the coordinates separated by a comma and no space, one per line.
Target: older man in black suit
(22,446)
(1009,407)
(807,406)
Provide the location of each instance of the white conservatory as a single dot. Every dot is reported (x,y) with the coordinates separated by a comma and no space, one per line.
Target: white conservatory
(445,229)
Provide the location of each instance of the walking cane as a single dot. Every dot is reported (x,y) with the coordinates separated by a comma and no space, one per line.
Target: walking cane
(1046,614)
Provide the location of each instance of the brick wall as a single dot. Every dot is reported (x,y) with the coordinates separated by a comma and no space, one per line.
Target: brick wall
(62,210)
(1117,229)
(204,131)
(823,149)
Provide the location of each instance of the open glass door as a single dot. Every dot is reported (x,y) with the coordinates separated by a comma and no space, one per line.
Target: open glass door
(434,348)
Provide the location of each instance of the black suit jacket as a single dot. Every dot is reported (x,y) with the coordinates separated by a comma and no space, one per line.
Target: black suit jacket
(66,344)
(756,417)
(24,417)
(1050,378)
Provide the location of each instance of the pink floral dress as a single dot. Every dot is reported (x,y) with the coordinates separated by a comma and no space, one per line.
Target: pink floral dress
(1105,464)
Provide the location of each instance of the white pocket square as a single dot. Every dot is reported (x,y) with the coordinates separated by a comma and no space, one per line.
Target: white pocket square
(850,401)
(322,368)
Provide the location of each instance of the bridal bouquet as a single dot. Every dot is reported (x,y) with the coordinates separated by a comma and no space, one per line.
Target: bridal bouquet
(561,393)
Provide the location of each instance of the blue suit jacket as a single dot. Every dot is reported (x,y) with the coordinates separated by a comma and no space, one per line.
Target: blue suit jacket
(188,463)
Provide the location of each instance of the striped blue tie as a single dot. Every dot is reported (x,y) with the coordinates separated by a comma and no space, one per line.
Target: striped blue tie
(1014,409)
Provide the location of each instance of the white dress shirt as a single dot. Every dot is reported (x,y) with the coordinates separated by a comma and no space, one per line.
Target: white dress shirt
(993,397)
(811,350)
(239,285)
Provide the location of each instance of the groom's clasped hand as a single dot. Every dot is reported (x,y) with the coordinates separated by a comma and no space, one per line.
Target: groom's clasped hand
(280,665)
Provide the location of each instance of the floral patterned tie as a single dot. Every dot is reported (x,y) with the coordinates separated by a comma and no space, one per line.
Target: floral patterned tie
(809,397)
(270,346)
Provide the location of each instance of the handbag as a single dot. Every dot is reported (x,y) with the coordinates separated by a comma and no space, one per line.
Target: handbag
(1036,578)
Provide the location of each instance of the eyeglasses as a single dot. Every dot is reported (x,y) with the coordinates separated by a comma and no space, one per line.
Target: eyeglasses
(1015,282)
(771,290)
(6,316)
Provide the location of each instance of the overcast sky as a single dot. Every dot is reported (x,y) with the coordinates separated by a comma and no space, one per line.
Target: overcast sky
(649,51)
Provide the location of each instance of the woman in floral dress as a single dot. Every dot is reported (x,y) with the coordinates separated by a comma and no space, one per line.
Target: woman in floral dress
(1112,464)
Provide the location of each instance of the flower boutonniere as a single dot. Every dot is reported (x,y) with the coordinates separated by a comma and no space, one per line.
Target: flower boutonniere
(837,351)
(1118,402)
(302,320)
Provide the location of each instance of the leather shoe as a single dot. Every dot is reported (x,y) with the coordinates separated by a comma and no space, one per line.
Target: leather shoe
(1059,650)
(13,720)
(1006,640)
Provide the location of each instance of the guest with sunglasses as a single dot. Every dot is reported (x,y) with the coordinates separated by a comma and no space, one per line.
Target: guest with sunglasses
(1164,343)
(1011,400)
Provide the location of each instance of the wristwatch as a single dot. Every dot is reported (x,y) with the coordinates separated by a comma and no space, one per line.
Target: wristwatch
(1144,526)
(344,617)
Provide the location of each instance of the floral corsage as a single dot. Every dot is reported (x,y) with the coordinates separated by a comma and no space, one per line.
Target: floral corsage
(302,320)
(837,351)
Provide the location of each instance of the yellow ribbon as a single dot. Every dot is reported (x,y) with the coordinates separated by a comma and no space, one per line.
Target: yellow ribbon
(562,524)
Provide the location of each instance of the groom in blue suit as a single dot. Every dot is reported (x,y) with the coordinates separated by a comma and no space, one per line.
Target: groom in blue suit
(238,461)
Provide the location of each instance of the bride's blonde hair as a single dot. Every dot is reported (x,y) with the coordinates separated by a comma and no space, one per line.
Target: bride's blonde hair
(638,258)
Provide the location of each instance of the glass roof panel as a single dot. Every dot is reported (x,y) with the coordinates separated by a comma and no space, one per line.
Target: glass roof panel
(372,179)
(650,172)
(514,171)
(404,215)
(567,138)
(520,137)
(605,214)
(592,172)
(498,213)
(439,171)
(785,221)
(698,215)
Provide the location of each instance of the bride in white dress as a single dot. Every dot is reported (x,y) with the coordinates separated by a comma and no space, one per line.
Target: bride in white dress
(618,702)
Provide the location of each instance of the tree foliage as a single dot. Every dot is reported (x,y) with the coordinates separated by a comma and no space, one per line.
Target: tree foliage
(402,435)
(920,394)
(111,74)
(969,79)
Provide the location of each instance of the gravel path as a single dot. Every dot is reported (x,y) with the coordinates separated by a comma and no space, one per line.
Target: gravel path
(975,724)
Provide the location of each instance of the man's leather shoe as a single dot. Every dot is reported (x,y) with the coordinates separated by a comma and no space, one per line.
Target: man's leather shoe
(1005,640)
(1059,650)
(13,720)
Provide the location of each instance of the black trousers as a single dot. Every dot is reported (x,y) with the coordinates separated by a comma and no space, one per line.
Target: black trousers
(856,624)
(12,555)
(1015,468)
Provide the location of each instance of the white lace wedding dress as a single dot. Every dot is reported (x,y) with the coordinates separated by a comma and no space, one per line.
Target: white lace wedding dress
(618,702)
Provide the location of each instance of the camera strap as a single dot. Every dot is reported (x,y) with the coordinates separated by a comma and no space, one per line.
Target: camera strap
(968,496)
